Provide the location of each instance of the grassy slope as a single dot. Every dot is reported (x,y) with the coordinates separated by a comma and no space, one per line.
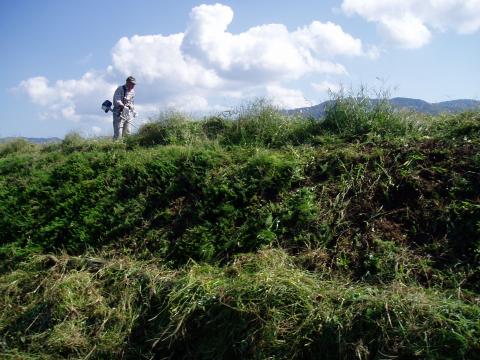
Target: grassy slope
(258,237)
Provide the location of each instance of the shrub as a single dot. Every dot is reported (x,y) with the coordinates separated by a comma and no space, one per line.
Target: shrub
(356,115)
(215,127)
(465,125)
(169,127)
(18,145)
(73,142)
(258,123)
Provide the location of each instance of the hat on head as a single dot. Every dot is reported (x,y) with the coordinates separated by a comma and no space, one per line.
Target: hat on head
(131,79)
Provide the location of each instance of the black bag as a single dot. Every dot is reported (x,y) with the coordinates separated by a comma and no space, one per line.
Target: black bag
(106,106)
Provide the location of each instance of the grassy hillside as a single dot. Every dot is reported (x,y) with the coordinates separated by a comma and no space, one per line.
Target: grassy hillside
(251,235)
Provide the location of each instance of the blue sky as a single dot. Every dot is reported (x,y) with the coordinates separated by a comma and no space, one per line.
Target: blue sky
(62,58)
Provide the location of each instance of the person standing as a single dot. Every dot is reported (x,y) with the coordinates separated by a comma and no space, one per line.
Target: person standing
(123,107)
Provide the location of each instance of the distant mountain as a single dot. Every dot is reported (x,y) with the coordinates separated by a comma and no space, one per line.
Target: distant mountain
(32,140)
(435,108)
(400,103)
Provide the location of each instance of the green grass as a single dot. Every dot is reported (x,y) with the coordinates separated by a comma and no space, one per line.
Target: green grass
(249,235)
(259,306)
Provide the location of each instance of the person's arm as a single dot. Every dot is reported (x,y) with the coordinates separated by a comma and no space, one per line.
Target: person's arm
(118,98)
(132,102)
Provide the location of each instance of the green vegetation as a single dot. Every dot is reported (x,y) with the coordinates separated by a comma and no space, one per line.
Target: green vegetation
(247,235)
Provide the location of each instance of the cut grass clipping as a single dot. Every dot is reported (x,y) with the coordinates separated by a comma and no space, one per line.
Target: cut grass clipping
(261,306)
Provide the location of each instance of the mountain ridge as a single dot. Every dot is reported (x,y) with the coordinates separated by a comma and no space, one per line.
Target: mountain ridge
(401,103)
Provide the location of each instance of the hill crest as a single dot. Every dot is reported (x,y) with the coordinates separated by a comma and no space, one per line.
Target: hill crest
(402,103)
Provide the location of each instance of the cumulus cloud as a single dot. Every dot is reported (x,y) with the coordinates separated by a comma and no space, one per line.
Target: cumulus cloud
(38,90)
(286,98)
(328,39)
(157,58)
(407,31)
(192,70)
(68,98)
(267,52)
(409,23)
(326,86)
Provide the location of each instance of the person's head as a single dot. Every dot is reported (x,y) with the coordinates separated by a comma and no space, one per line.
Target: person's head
(130,82)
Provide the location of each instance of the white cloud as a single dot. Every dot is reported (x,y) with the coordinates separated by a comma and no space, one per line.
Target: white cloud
(69,113)
(68,99)
(373,52)
(409,23)
(38,90)
(198,69)
(326,86)
(266,52)
(327,39)
(407,31)
(187,102)
(286,98)
(157,58)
